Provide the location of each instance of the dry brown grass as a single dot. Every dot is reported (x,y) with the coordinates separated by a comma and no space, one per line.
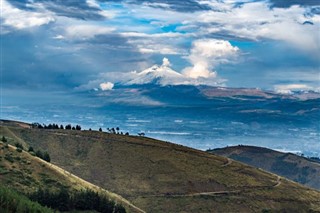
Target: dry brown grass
(163,177)
(27,173)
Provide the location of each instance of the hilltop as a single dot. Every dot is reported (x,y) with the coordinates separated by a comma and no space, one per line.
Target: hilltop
(24,174)
(158,176)
(291,166)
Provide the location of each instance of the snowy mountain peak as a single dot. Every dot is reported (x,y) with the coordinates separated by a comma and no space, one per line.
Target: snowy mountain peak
(162,75)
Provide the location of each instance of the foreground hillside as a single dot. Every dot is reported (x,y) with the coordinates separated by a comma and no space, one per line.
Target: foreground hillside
(162,177)
(24,174)
(291,166)
(11,201)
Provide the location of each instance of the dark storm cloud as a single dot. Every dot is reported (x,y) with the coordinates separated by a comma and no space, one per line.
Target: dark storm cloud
(70,8)
(289,3)
(177,5)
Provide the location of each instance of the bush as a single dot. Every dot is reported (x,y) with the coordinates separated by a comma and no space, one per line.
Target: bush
(11,201)
(39,154)
(84,200)
(46,157)
(19,145)
(3,139)
(19,149)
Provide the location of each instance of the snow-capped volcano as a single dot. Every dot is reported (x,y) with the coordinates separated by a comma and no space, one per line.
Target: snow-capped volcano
(162,75)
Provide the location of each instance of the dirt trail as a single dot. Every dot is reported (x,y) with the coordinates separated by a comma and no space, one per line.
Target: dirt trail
(228,163)
(216,193)
(278,182)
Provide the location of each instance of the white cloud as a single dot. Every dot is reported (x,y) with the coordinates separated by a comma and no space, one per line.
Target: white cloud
(21,19)
(106,86)
(166,62)
(163,43)
(86,31)
(252,20)
(93,3)
(288,88)
(257,21)
(205,54)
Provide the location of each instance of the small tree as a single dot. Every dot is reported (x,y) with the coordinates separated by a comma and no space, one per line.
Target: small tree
(19,145)
(30,149)
(39,154)
(78,127)
(100,130)
(46,157)
(61,126)
(141,134)
(3,139)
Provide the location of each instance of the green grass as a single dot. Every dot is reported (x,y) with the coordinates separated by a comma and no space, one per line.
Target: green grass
(12,201)
(158,176)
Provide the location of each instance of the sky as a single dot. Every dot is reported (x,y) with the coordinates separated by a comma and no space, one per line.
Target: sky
(71,45)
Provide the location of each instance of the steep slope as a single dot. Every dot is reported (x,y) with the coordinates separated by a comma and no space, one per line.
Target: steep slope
(291,166)
(164,177)
(26,174)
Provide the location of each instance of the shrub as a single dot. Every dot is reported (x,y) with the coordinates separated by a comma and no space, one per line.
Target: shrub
(19,145)
(46,157)
(83,200)
(3,139)
(11,201)
(39,154)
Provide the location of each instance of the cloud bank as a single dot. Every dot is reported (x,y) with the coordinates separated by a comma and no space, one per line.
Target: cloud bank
(207,53)
(65,44)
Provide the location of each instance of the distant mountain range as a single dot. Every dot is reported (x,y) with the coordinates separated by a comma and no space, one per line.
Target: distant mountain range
(161,76)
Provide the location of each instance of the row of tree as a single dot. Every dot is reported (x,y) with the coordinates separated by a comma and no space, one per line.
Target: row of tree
(84,200)
(78,127)
(55,126)
(43,155)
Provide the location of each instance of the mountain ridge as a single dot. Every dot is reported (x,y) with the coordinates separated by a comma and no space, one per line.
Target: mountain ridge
(297,168)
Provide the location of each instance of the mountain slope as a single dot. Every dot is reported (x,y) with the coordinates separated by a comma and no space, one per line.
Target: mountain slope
(288,165)
(158,176)
(162,75)
(11,201)
(26,174)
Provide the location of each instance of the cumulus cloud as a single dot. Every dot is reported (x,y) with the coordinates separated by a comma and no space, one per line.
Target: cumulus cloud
(207,53)
(21,19)
(257,21)
(106,86)
(166,62)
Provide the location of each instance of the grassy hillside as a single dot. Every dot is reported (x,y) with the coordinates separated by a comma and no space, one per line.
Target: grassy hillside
(164,177)
(11,201)
(26,174)
(293,167)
